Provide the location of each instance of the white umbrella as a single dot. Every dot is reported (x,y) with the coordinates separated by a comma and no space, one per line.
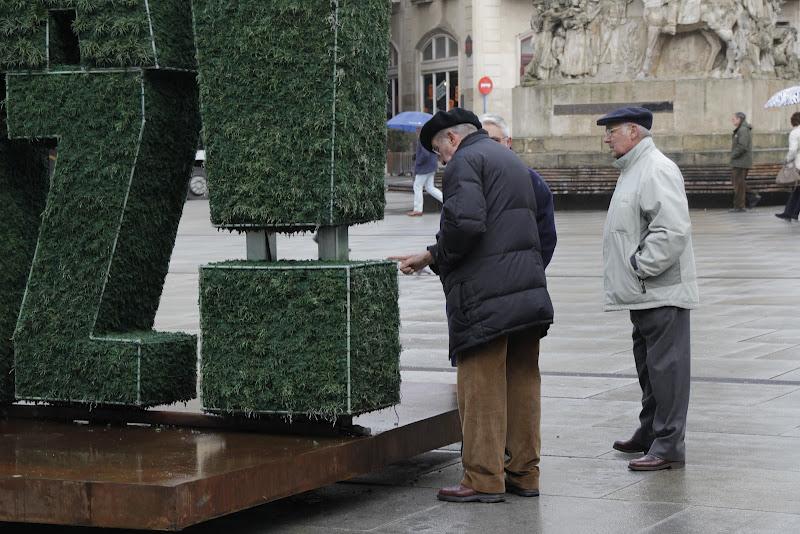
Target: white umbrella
(785,97)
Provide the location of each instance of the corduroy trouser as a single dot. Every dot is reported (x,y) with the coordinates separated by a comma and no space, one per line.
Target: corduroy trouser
(739,179)
(499,401)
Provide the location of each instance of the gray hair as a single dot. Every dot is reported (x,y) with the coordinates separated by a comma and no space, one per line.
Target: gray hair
(740,115)
(643,132)
(497,120)
(462,130)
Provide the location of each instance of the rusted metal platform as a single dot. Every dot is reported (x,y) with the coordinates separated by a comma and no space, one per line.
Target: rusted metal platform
(184,468)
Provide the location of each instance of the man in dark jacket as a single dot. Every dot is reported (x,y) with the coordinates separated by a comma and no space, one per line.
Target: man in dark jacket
(498,131)
(498,307)
(741,162)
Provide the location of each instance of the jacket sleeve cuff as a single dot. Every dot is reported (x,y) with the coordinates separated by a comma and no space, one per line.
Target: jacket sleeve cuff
(434,249)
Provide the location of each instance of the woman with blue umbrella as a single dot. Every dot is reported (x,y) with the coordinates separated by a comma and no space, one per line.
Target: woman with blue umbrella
(425,162)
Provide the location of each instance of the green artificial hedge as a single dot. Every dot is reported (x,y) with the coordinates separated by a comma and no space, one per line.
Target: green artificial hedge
(293,99)
(23,187)
(125,145)
(312,338)
(111,33)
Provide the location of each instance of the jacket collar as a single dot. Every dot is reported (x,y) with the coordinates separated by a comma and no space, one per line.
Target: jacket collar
(642,147)
(472,138)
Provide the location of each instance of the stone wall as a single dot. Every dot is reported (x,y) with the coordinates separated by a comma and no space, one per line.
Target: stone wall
(554,123)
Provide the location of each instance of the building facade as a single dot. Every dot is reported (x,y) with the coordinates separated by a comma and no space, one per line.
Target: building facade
(441,48)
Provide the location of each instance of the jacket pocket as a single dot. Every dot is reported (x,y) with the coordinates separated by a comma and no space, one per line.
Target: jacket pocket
(455,306)
(670,277)
(625,286)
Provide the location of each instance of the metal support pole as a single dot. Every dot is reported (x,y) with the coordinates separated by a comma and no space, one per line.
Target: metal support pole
(333,243)
(261,246)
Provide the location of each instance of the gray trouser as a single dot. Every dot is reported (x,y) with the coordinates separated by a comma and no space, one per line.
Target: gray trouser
(661,349)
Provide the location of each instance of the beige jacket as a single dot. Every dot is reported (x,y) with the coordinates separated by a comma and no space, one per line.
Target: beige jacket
(648,225)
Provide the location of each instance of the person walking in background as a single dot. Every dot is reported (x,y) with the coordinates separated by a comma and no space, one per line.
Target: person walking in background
(741,162)
(792,208)
(498,306)
(425,164)
(498,131)
(649,270)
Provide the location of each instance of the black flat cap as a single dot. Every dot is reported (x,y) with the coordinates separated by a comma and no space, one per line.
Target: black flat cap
(632,114)
(446,119)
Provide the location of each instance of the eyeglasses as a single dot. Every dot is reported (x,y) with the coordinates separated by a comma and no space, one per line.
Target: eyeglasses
(609,131)
(498,139)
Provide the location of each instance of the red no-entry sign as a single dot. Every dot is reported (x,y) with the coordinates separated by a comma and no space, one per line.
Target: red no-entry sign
(485,85)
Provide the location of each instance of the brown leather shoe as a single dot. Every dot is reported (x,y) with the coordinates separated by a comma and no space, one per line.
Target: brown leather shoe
(464,494)
(629,446)
(522,492)
(652,463)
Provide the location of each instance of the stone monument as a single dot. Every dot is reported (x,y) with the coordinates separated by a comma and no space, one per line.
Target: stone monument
(692,62)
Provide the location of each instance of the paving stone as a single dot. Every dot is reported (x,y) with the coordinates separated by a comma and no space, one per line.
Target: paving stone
(720,487)
(743,438)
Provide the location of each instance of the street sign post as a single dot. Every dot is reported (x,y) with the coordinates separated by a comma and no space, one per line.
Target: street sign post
(485,86)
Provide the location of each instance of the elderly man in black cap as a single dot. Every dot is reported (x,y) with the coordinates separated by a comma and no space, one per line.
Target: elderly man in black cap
(498,307)
(649,270)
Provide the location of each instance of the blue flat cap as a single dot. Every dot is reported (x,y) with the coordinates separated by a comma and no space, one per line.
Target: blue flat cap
(446,119)
(632,114)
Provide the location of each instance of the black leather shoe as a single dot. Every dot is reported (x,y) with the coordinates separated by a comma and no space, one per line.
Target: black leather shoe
(522,492)
(629,446)
(652,463)
(782,216)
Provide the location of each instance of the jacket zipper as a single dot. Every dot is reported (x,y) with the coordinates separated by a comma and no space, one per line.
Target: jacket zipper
(641,282)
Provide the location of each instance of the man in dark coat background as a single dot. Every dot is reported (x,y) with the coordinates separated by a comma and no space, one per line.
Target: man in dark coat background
(488,256)
(741,162)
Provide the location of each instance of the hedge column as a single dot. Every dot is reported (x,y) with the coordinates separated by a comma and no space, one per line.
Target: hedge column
(111,84)
(293,99)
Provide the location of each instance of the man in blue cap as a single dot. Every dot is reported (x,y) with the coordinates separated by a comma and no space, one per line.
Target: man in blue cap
(648,268)
(489,259)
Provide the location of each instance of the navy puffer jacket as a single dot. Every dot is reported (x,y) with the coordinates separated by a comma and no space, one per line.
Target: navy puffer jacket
(487,251)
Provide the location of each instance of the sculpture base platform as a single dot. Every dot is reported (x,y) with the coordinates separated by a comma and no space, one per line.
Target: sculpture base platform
(160,470)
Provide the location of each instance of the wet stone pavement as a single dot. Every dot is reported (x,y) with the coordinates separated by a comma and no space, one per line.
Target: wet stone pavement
(743,440)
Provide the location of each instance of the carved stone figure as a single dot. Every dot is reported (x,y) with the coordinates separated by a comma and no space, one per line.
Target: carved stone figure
(714,20)
(600,39)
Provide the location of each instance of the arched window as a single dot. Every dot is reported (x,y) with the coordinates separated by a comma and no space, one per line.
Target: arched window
(439,74)
(393,88)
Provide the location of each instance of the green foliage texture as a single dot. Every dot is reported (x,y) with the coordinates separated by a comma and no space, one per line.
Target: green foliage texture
(312,338)
(125,145)
(112,33)
(293,98)
(23,186)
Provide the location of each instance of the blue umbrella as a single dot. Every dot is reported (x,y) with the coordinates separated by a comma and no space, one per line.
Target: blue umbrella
(408,121)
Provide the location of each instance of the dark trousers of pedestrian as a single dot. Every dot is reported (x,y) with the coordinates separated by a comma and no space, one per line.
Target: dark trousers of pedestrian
(661,348)
(499,401)
(792,208)
(739,179)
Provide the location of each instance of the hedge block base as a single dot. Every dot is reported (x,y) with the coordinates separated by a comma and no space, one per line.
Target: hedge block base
(319,339)
(138,369)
